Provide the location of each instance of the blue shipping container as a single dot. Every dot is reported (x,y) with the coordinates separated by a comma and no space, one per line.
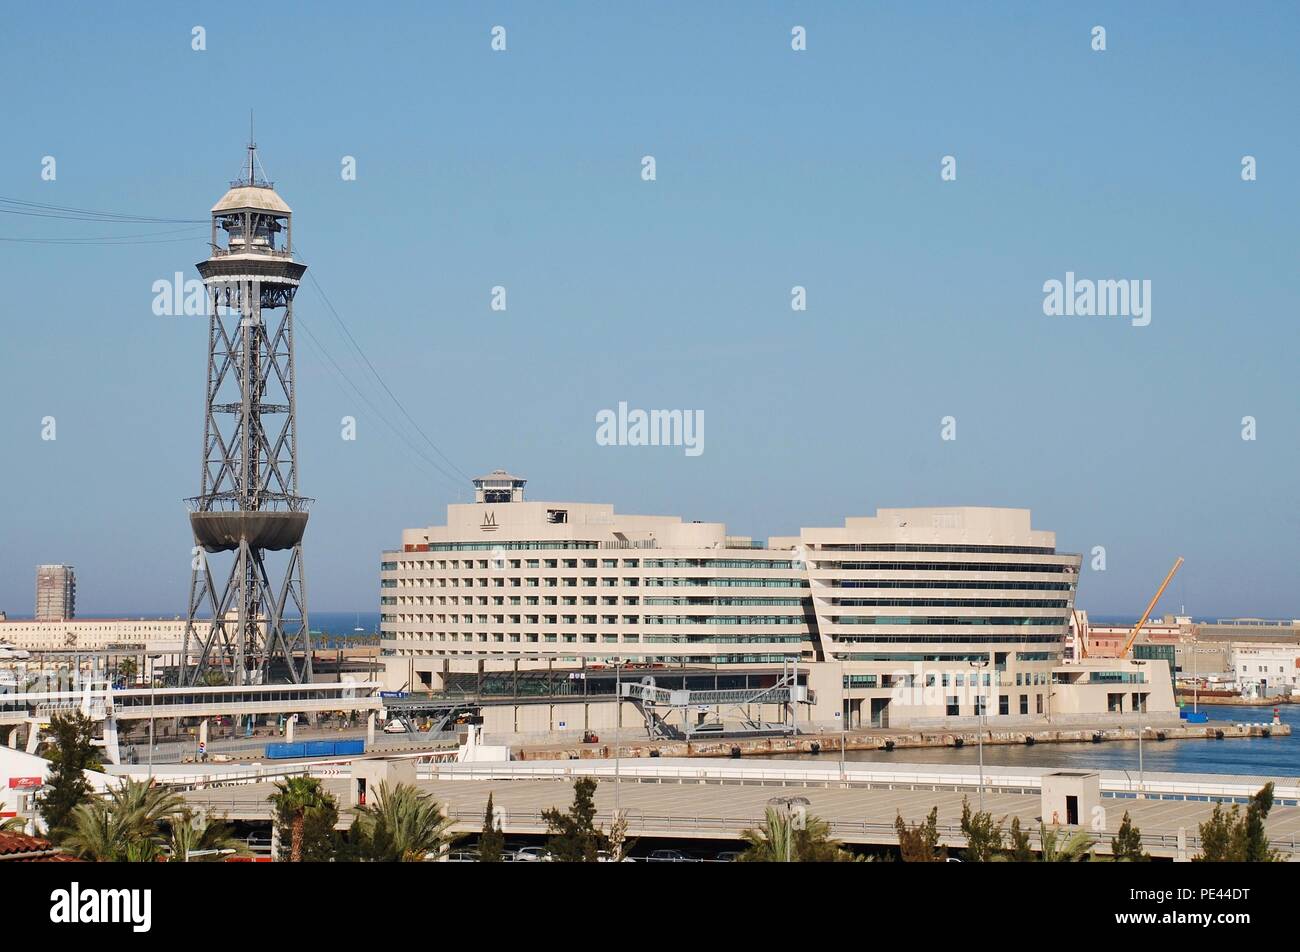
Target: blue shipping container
(285,751)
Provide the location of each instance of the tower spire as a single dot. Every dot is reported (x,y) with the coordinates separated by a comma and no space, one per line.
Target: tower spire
(252,149)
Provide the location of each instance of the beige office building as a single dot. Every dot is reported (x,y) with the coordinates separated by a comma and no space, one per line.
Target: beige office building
(941,613)
(508,581)
(911,617)
(56,593)
(93,634)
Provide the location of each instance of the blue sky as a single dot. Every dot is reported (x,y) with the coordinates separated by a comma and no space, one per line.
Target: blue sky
(775,168)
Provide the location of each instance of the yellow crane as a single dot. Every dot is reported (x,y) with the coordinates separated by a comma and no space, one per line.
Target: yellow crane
(1128,645)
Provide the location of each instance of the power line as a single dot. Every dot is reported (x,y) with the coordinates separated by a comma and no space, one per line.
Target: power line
(420,454)
(144,238)
(329,304)
(13,206)
(68,212)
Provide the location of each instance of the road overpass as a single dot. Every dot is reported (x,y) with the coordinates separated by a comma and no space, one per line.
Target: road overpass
(112,706)
(693,801)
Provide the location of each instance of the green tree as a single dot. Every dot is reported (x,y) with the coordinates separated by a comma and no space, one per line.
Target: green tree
(920,843)
(491,842)
(1058,849)
(127,669)
(1127,845)
(1229,837)
(190,833)
(619,843)
(306,816)
(575,838)
(784,839)
(71,753)
(126,825)
(1020,849)
(404,825)
(1255,848)
(983,836)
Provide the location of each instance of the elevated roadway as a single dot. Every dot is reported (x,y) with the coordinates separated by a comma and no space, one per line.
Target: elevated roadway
(860,811)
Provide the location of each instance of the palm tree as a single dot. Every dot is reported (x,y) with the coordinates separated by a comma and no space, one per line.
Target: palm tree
(293,799)
(142,806)
(125,825)
(1076,848)
(773,842)
(191,833)
(405,824)
(13,824)
(782,839)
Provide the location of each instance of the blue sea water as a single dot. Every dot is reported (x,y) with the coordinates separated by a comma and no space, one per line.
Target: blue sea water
(1255,756)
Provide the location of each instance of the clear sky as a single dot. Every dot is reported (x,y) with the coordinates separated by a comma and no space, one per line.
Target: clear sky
(775,168)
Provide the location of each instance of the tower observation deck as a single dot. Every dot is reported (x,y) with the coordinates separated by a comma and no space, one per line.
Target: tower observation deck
(247,624)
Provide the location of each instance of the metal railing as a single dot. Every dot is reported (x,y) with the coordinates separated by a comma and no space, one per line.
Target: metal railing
(857,831)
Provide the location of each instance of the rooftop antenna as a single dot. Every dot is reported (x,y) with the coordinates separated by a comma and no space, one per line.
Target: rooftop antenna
(252,148)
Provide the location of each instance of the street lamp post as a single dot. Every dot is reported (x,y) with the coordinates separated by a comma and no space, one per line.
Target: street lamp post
(1142,778)
(983,707)
(152,658)
(618,723)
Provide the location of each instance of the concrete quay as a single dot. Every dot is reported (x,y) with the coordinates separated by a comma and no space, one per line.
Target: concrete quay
(887,739)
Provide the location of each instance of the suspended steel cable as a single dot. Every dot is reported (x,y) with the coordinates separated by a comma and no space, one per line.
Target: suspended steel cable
(357,347)
(19,207)
(402,438)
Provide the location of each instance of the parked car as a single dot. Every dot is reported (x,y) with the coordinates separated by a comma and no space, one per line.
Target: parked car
(729,856)
(394,727)
(667,856)
(532,854)
(462,856)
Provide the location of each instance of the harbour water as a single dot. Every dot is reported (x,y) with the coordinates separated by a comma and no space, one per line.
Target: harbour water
(1261,756)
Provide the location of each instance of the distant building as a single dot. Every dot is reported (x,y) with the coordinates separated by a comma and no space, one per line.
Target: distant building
(93,634)
(1266,670)
(924,616)
(56,593)
(1108,641)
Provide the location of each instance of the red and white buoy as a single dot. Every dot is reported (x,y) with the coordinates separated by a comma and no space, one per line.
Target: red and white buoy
(1277,716)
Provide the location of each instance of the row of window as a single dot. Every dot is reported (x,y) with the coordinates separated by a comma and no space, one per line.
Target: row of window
(942,583)
(951,602)
(719,564)
(948,567)
(909,547)
(724,600)
(723,620)
(947,639)
(948,620)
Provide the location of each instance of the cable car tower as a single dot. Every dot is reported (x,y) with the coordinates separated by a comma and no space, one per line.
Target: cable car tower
(247,623)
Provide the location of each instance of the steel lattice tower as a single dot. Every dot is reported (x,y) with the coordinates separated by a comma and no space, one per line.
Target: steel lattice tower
(253,628)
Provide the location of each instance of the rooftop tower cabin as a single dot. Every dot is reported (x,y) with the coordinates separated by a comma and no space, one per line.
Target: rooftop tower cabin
(499,486)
